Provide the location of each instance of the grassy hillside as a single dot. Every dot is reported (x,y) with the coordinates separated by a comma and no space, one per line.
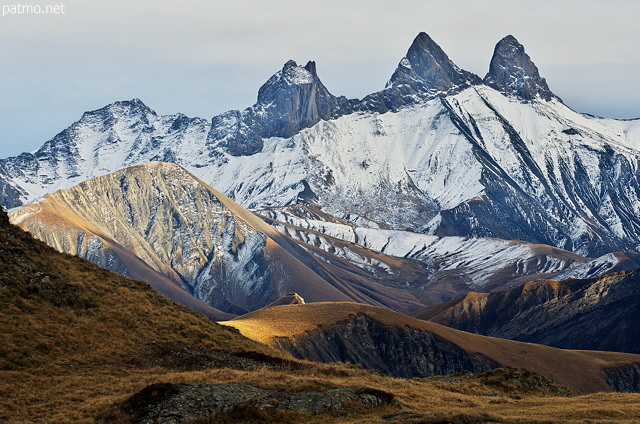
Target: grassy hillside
(78,341)
(579,370)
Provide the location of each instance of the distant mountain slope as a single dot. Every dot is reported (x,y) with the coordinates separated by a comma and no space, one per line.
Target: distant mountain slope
(438,151)
(158,218)
(456,265)
(158,223)
(598,314)
(401,345)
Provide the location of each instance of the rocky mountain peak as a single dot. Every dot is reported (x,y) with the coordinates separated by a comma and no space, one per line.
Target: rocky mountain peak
(427,67)
(286,82)
(134,105)
(294,98)
(297,75)
(512,72)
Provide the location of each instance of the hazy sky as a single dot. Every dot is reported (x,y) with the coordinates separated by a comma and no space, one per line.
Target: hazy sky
(205,57)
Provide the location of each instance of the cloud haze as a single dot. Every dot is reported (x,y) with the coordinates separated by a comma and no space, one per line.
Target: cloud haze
(205,57)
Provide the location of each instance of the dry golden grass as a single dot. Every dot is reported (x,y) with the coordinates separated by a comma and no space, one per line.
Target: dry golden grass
(76,341)
(80,397)
(581,371)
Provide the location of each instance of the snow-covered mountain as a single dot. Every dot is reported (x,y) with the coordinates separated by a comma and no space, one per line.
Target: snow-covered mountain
(439,151)
(159,223)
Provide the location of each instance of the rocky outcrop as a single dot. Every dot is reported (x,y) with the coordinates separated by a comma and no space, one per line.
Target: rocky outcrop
(623,379)
(166,403)
(512,72)
(399,352)
(593,314)
(288,299)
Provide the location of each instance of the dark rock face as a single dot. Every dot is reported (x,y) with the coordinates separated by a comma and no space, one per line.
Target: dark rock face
(623,379)
(9,194)
(428,67)
(513,73)
(594,314)
(398,352)
(223,279)
(182,403)
(425,72)
(294,98)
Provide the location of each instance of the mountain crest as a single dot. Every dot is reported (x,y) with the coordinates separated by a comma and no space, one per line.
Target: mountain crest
(293,98)
(284,84)
(512,72)
(427,67)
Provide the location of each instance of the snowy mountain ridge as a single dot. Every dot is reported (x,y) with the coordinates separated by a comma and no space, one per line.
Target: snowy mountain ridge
(438,151)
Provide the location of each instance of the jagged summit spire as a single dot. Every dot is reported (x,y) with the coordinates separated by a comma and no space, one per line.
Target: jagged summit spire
(292,99)
(428,66)
(512,72)
(424,73)
(291,78)
(296,96)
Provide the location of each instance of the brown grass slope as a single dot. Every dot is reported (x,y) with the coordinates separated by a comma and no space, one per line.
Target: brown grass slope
(61,314)
(77,341)
(598,314)
(581,371)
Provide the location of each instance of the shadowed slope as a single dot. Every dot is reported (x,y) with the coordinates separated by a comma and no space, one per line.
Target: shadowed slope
(599,313)
(306,325)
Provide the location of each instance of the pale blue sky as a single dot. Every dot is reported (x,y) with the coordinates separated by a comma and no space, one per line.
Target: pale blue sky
(203,57)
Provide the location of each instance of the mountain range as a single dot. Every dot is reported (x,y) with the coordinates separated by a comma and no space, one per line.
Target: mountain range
(440,184)
(159,223)
(439,151)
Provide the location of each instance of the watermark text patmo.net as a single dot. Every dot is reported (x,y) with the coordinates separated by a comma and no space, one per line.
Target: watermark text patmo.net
(33,9)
